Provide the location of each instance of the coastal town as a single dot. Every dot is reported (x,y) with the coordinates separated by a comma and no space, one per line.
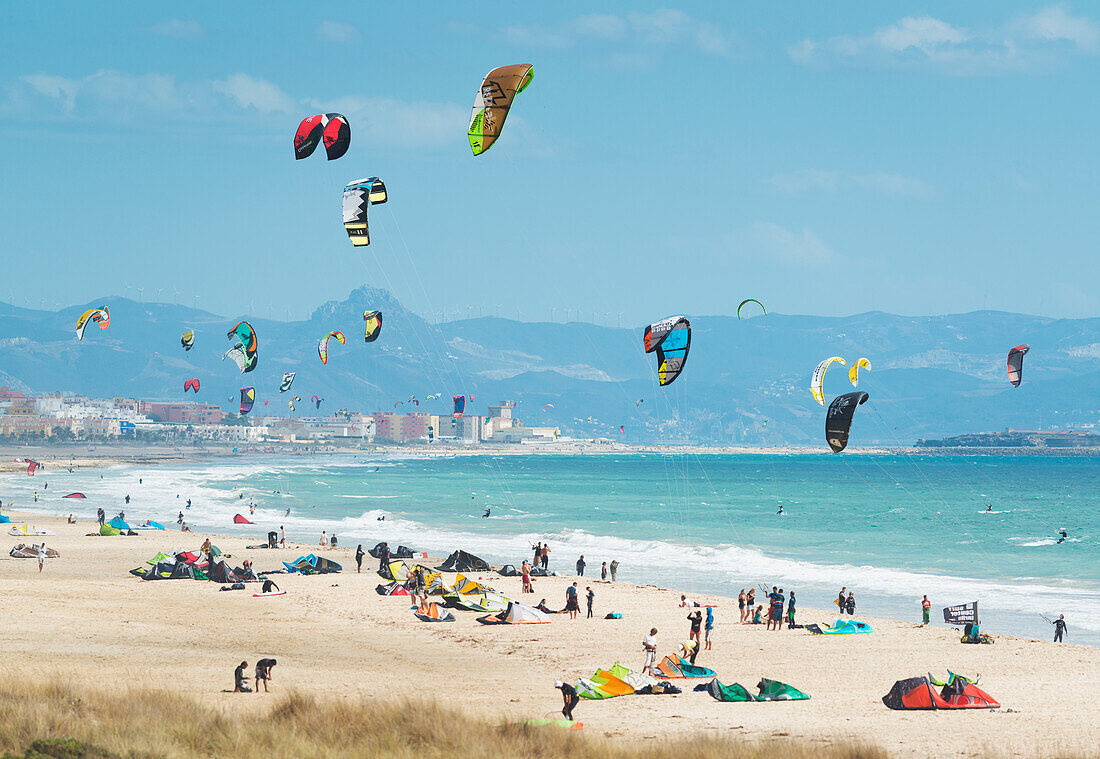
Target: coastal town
(63,417)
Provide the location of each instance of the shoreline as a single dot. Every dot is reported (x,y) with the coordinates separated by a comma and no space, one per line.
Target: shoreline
(86,616)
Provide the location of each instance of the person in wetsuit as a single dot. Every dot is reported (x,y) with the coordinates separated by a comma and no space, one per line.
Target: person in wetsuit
(1059,628)
(1062,532)
(270,587)
(778,513)
(569,698)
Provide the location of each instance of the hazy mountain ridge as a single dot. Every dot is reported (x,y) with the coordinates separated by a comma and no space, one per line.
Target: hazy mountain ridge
(746,381)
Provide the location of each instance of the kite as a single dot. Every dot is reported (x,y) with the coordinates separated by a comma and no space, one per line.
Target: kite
(248,399)
(31,466)
(622,429)
(331,128)
(548,405)
(373,327)
(853,372)
(358,197)
(292,401)
(671,338)
(639,403)
(316,401)
(398,403)
(819,377)
(839,419)
(101,316)
(288,380)
(245,349)
(191,384)
(187,339)
(1015,364)
(460,406)
(322,347)
(751,300)
(433,396)
(493,101)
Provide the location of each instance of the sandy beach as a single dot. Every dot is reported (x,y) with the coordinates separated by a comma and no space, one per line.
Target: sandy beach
(88,621)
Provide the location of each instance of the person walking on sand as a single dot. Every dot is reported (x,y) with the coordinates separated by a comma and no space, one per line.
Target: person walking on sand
(614,567)
(571,602)
(41,557)
(359,559)
(649,645)
(590,596)
(708,627)
(926,610)
(580,566)
(569,699)
(1060,628)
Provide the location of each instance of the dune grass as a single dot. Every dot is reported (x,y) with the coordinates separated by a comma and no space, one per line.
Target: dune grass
(49,720)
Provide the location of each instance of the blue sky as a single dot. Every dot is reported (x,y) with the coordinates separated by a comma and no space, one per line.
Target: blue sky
(824,158)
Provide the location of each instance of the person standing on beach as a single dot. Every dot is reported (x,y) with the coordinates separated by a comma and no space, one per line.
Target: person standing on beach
(545,556)
(614,567)
(741,606)
(777,607)
(324,539)
(580,566)
(926,610)
(649,645)
(526,572)
(771,606)
(708,627)
(42,561)
(590,596)
(571,602)
(851,603)
(790,612)
(359,559)
(841,600)
(100,516)
(1060,628)
(282,536)
(603,571)
(696,620)
(263,673)
(383,556)
(332,541)
(537,548)
(750,601)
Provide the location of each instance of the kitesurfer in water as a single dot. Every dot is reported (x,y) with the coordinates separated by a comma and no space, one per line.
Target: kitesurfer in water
(989,507)
(488,509)
(780,512)
(287,512)
(1062,532)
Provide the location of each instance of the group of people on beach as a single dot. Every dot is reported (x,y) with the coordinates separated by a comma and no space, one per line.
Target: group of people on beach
(262,672)
(780,609)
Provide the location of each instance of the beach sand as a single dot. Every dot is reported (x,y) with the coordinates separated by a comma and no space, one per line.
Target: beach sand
(86,620)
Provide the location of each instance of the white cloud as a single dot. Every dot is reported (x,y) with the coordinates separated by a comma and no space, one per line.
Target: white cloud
(252,92)
(111,92)
(400,123)
(886,183)
(1024,43)
(796,248)
(1057,24)
(660,28)
(806,180)
(177,28)
(334,31)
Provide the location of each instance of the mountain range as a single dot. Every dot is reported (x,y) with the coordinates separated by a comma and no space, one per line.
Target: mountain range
(746,381)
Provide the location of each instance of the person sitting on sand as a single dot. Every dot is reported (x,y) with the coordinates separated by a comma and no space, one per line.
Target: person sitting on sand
(263,673)
(756,617)
(649,645)
(569,698)
(544,608)
(269,587)
(71,520)
(240,679)
(184,527)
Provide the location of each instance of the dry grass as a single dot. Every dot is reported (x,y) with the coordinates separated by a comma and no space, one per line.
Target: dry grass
(146,724)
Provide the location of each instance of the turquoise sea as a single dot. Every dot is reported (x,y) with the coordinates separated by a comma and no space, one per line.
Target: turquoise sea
(889,527)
